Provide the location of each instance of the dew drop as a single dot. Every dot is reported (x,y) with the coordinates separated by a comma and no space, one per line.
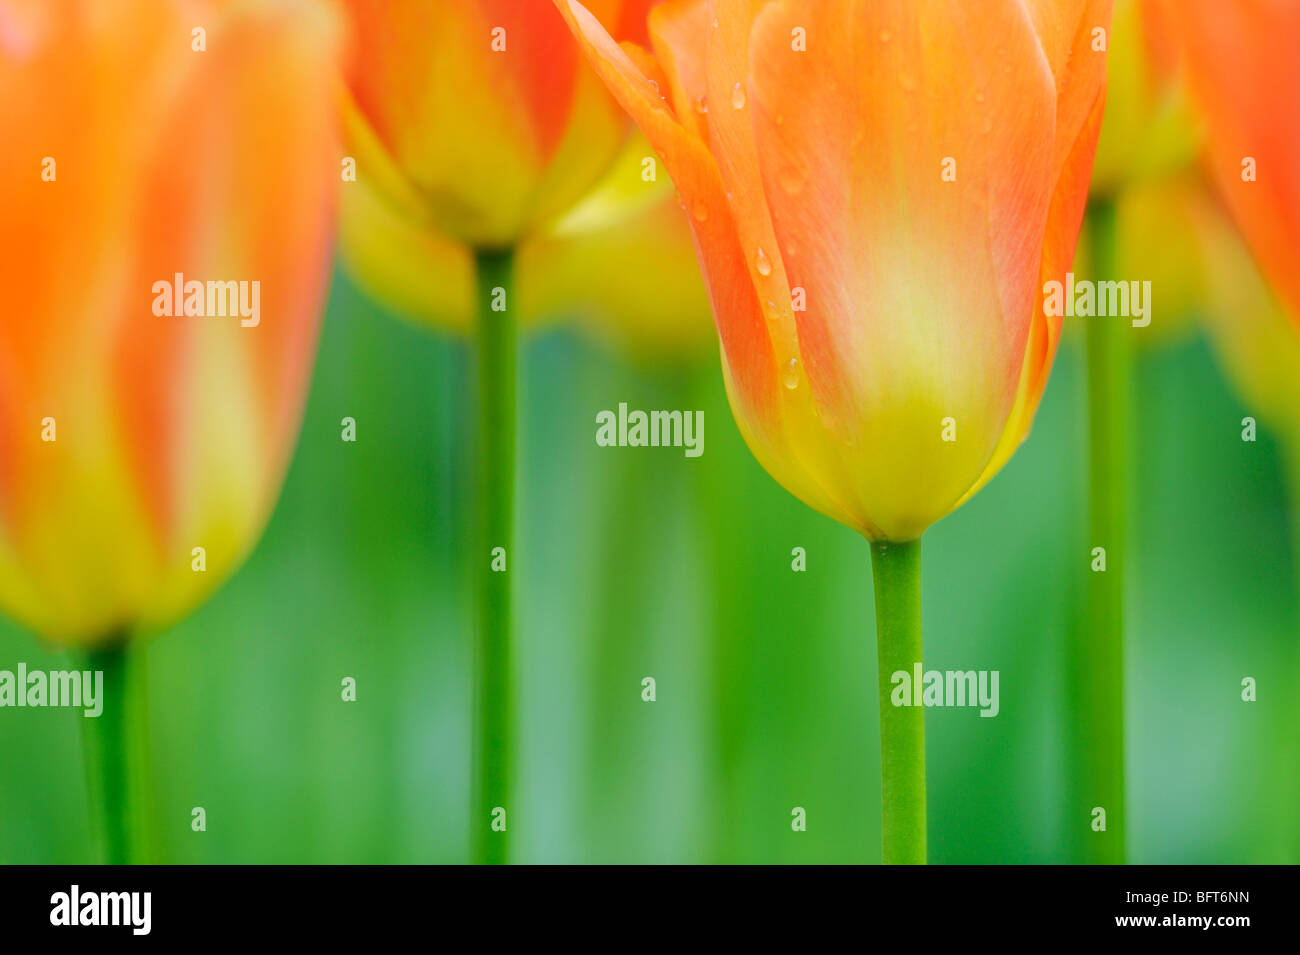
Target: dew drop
(738,96)
(702,105)
(792,180)
(701,212)
(792,374)
(762,262)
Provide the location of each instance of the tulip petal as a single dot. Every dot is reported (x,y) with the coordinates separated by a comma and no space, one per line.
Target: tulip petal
(921,277)
(1245,72)
(485,106)
(172,432)
(694,172)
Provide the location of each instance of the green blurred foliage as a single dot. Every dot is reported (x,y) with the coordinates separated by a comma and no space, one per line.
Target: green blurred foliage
(643,562)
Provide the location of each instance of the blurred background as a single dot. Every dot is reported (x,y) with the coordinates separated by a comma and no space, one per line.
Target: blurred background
(637,562)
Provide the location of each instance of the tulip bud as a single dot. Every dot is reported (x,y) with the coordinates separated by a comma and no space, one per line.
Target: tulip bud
(164,285)
(1150,128)
(878,193)
(476,119)
(1254,338)
(1245,76)
(621,262)
(1156,237)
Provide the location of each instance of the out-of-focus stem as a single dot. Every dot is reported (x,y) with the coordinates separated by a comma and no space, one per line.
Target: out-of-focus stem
(1097,671)
(116,752)
(493,685)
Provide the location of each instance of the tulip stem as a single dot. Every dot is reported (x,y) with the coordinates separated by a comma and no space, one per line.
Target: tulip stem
(116,752)
(1098,655)
(497,360)
(896,569)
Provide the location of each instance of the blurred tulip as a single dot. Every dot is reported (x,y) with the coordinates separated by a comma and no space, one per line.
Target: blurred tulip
(127,439)
(816,180)
(1156,240)
(621,263)
(1150,129)
(1254,336)
(1245,76)
(476,119)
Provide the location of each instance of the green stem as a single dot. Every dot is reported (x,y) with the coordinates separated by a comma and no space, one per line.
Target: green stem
(896,568)
(496,482)
(1288,727)
(116,752)
(1098,665)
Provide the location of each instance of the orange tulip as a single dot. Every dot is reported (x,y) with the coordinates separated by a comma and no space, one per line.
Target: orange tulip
(477,118)
(879,193)
(166,147)
(621,262)
(1150,129)
(1245,75)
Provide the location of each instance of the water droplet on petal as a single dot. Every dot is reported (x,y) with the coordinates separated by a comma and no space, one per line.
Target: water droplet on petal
(701,212)
(762,262)
(738,96)
(791,376)
(702,105)
(792,179)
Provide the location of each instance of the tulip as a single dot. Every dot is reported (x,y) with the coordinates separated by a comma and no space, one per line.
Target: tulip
(1245,77)
(1151,129)
(476,121)
(620,263)
(878,194)
(141,450)
(477,118)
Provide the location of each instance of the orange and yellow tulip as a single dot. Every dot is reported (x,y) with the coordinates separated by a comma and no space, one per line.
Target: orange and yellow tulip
(1150,129)
(620,262)
(1245,76)
(879,193)
(477,119)
(166,142)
